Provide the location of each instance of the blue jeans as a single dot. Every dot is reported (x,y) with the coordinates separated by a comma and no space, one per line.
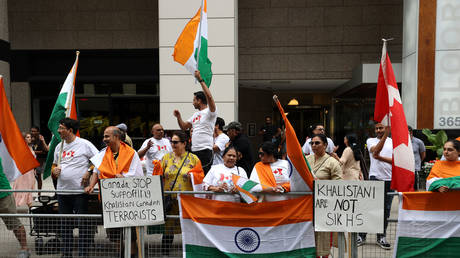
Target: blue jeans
(75,204)
(387,200)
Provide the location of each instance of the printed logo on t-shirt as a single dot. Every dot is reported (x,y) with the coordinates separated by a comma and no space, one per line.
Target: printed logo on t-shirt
(278,171)
(68,154)
(161,148)
(196,119)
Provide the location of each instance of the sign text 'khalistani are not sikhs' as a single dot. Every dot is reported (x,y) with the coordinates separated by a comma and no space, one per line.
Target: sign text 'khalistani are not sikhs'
(349,206)
(132,201)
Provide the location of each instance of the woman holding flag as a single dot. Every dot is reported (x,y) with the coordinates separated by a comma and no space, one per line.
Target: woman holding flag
(272,172)
(445,174)
(177,167)
(219,178)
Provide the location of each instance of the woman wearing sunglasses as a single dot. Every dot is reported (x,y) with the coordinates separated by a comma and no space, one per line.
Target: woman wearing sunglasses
(176,168)
(219,177)
(271,172)
(324,167)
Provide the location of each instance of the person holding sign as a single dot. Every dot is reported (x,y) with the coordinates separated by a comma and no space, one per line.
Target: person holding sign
(272,172)
(115,160)
(70,167)
(219,178)
(445,174)
(177,167)
(324,167)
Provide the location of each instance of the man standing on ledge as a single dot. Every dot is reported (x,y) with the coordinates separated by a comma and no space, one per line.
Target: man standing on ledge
(203,122)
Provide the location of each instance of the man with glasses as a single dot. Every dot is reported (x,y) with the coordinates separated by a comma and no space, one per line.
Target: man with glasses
(154,148)
(318,129)
(381,154)
(70,167)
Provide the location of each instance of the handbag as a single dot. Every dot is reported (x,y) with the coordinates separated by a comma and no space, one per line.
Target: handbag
(168,200)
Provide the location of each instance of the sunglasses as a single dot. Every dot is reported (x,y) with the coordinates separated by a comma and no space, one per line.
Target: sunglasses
(315,143)
(175,142)
(261,153)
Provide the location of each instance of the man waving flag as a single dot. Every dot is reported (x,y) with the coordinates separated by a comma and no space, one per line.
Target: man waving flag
(389,111)
(301,177)
(17,159)
(64,107)
(191,49)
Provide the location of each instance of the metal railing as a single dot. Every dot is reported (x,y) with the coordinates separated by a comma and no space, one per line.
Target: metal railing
(49,234)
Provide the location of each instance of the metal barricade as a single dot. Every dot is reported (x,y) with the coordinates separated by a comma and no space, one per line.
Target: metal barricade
(45,237)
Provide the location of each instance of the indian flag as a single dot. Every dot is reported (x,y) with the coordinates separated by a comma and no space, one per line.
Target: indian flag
(246,188)
(17,159)
(65,107)
(301,177)
(428,225)
(191,49)
(226,229)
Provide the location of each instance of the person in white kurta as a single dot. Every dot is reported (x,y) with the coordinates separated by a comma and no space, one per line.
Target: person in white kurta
(219,177)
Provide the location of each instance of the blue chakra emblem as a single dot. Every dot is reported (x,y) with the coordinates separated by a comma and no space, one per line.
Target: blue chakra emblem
(247,240)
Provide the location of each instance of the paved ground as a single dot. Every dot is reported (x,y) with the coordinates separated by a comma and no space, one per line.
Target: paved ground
(104,248)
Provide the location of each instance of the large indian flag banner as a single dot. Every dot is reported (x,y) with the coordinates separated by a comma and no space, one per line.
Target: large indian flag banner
(65,107)
(191,49)
(226,229)
(428,225)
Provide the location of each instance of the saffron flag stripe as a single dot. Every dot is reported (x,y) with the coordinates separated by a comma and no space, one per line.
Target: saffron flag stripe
(268,213)
(16,155)
(432,201)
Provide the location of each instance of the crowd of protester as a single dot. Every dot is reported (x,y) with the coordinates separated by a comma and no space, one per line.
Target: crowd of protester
(206,144)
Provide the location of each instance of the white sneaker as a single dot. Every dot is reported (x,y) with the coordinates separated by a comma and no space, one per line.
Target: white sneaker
(24,254)
(382,242)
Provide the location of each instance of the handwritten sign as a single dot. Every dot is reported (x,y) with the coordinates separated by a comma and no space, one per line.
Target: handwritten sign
(132,201)
(349,206)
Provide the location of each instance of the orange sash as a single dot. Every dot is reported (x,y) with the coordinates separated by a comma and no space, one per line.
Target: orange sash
(266,177)
(109,168)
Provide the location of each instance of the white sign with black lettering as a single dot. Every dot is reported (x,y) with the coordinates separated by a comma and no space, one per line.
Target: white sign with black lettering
(349,206)
(132,201)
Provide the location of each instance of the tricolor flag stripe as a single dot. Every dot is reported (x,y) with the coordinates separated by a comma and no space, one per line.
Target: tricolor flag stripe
(16,156)
(246,187)
(301,176)
(246,195)
(428,225)
(191,48)
(240,214)
(291,237)
(226,229)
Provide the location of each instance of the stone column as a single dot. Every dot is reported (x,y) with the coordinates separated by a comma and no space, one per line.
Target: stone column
(176,83)
(5,48)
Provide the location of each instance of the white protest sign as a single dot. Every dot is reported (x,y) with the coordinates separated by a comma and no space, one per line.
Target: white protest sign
(132,201)
(349,206)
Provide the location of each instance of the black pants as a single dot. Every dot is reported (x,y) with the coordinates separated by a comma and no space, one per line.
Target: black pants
(387,200)
(75,204)
(205,157)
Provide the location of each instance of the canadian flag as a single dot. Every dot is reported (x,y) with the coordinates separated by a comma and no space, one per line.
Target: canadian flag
(389,111)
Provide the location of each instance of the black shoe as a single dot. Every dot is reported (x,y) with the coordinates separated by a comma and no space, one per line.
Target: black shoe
(360,241)
(382,242)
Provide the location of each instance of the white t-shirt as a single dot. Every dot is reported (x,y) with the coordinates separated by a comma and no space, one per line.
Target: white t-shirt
(380,169)
(74,163)
(203,123)
(220,141)
(219,174)
(156,152)
(281,170)
(306,148)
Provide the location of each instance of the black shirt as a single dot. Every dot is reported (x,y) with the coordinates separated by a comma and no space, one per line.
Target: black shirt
(270,130)
(243,145)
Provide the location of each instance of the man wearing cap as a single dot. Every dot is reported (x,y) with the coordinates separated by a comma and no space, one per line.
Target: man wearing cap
(154,148)
(125,137)
(242,144)
(202,122)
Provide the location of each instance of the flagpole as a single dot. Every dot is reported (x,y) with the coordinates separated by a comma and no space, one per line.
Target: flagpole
(61,149)
(384,57)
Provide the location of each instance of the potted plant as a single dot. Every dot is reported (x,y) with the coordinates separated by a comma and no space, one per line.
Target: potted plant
(438,141)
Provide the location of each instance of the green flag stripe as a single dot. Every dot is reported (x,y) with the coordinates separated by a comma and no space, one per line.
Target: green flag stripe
(204,64)
(58,113)
(428,247)
(194,251)
(248,185)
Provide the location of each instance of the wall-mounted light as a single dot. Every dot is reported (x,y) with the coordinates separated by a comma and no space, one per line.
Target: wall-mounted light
(293,102)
